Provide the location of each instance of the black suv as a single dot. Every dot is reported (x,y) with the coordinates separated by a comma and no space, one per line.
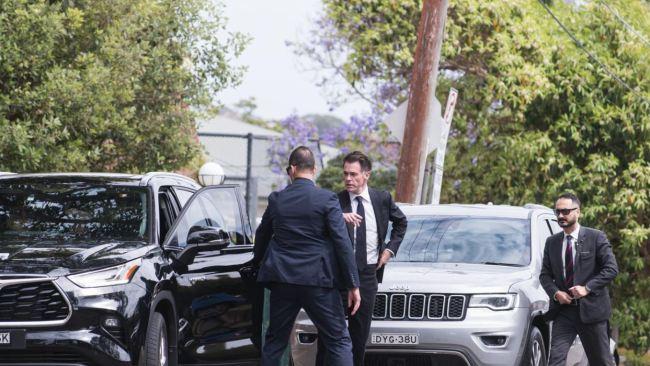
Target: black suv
(125,269)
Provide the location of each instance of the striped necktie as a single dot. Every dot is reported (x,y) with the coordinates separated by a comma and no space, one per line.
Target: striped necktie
(568,263)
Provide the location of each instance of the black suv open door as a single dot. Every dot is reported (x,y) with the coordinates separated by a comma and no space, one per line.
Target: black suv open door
(211,250)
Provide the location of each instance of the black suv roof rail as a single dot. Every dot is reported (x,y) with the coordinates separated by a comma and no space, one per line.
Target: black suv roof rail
(148,176)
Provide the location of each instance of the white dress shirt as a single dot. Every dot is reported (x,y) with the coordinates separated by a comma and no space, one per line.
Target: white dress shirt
(372,237)
(574,240)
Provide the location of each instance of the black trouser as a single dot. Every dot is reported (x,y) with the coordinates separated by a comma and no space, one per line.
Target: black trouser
(359,323)
(594,338)
(323,305)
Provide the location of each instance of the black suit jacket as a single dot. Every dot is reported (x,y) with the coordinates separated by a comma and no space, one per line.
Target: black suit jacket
(595,267)
(385,210)
(302,239)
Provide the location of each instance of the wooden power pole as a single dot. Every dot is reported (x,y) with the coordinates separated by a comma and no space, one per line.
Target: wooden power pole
(421,93)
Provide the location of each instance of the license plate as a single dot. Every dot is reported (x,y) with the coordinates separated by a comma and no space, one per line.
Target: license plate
(395,338)
(14,339)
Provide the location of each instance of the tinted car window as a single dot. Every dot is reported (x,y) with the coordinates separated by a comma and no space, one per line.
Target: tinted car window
(79,210)
(224,202)
(454,239)
(183,195)
(217,208)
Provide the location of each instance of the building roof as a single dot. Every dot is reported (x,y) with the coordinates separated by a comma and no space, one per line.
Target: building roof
(229,125)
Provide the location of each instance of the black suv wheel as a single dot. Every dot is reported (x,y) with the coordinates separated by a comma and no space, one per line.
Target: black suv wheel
(156,347)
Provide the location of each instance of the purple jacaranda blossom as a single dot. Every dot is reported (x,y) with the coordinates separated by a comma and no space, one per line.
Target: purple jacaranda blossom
(296,131)
(367,134)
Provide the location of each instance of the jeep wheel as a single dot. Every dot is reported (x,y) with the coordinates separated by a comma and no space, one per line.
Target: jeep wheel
(535,349)
(156,347)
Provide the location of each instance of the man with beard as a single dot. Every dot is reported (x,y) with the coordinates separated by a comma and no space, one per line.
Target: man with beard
(578,266)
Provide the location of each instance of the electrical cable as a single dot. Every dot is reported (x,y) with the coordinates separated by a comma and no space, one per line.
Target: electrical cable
(626,24)
(591,55)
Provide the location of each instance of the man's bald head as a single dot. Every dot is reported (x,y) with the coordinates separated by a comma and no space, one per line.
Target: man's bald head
(302,159)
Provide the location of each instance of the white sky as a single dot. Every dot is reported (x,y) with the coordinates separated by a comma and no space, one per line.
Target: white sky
(274,77)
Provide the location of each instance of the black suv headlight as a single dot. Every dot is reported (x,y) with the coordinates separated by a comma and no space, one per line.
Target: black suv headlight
(117,275)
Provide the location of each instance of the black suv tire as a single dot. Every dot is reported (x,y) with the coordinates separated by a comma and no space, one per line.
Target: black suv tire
(156,346)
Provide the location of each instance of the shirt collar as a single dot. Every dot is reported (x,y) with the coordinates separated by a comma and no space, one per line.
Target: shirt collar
(364,194)
(574,233)
(301,180)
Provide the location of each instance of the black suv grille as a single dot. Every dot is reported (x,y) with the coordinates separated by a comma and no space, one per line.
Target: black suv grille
(419,306)
(31,302)
(41,357)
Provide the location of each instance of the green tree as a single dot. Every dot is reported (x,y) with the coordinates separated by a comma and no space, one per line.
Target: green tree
(536,116)
(93,85)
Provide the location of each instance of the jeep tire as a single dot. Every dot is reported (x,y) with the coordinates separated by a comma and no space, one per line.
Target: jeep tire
(535,354)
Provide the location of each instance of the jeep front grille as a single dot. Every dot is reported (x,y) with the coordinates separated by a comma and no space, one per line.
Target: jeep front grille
(25,302)
(400,306)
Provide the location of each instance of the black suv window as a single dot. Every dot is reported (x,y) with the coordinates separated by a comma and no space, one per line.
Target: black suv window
(215,207)
(183,195)
(72,209)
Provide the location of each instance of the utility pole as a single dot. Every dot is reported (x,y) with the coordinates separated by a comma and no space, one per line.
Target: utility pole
(421,93)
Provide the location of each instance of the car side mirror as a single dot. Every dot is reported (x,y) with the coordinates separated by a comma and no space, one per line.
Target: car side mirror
(202,239)
(208,237)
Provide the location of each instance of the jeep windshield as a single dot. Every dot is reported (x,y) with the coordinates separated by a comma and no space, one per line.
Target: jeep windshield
(35,209)
(463,239)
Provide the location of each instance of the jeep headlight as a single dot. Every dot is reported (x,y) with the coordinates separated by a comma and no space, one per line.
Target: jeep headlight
(117,275)
(493,301)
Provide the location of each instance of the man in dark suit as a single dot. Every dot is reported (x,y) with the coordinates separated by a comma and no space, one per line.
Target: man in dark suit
(367,212)
(578,266)
(304,254)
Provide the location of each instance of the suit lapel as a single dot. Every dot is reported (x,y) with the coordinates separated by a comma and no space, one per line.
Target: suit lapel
(557,254)
(582,234)
(346,206)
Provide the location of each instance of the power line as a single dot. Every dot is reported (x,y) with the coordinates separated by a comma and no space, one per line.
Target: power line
(591,55)
(626,24)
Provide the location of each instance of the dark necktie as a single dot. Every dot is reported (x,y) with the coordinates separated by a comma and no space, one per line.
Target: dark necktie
(568,263)
(361,254)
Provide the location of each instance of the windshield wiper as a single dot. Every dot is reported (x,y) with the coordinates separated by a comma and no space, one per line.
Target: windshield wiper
(502,264)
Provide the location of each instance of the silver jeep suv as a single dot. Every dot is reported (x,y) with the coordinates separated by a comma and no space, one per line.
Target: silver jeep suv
(462,290)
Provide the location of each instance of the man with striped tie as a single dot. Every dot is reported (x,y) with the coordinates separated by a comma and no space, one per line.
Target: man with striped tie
(578,266)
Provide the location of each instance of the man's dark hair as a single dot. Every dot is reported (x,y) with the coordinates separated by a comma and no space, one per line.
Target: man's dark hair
(361,158)
(302,158)
(571,196)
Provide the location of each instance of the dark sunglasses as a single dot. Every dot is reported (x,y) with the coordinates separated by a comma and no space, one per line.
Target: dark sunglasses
(288,170)
(564,211)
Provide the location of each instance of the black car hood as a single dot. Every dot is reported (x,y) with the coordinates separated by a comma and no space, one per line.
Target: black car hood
(57,258)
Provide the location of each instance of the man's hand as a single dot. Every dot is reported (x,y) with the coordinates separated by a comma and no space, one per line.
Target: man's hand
(354,300)
(386,255)
(352,218)
(563,298)
(578,291)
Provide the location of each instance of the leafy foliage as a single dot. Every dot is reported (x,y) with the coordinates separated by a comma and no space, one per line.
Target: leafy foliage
(368,135)
(107,85)
(535,117)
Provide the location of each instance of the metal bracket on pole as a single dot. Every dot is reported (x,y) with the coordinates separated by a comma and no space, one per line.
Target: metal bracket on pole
(442,145)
